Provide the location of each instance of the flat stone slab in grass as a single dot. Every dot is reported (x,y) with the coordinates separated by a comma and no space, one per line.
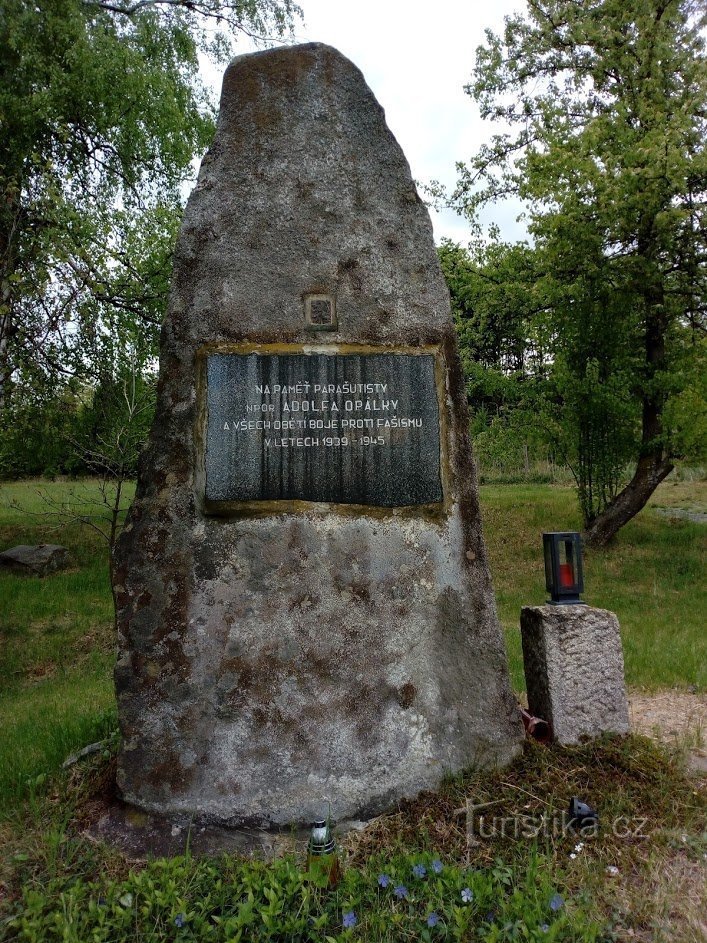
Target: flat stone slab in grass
(695,516)
(39,560)
(574,670)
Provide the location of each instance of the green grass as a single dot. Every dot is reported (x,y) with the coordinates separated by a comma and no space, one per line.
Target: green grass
(652,577)
(57,639)
(56,654)
(57,633)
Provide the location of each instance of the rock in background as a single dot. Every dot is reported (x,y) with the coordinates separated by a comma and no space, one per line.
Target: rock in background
(39,560)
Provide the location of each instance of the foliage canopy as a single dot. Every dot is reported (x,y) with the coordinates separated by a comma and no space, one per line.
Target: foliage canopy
(101,115)
(604,103)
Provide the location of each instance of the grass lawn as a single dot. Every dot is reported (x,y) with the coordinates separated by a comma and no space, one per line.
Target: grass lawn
(56,652)
(57,633)
(652,577)
(57,645)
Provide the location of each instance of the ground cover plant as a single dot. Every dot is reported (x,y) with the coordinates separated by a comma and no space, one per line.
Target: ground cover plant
(392,898)
(641,880)
(489,856)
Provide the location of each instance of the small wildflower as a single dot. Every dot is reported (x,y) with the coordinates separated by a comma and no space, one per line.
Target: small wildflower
(400,891)
(419,870)
(573,856)
(556,902)
(467,895)
(544,927)
(432,920)
(383,880)
(579,846)
(180,920)
(349,920)
(612,870)
(437,866)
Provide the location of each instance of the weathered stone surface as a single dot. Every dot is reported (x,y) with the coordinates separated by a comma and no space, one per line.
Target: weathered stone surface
(574,670)
(277,648)
(143,835)
(38,560)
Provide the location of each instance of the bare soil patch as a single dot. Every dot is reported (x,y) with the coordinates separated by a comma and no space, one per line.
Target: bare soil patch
(675,717)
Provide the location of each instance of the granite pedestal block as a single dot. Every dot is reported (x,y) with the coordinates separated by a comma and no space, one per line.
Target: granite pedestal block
(574,670)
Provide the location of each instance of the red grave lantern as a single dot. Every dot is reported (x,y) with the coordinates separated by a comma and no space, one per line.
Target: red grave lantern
(564,577)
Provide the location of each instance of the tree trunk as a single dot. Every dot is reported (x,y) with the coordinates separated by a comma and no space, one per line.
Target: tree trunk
(5,325)
(9,212)
(5,370)
(650,471)
(654,462)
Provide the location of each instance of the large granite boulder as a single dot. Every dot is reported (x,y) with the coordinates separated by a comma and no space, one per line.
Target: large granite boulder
(306,613)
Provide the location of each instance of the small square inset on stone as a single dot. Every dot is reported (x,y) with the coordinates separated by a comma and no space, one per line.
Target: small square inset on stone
(320,312)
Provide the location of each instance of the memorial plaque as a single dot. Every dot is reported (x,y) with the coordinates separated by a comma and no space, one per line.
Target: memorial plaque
(346,429)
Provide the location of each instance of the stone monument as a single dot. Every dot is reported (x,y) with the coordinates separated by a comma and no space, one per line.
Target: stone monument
(304,602)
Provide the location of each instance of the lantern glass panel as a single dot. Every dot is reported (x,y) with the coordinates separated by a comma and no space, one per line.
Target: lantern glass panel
(566,564)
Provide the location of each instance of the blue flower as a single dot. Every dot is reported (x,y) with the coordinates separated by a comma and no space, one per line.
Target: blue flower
(432,920)
(556,902)
(180,920)
(544,927)
(383,880)
(437,866)
(467,895)
(400,891)
(349,920)
(419,870)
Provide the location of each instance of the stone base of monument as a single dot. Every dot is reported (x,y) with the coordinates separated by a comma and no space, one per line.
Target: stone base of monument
(574,670)
(140,836)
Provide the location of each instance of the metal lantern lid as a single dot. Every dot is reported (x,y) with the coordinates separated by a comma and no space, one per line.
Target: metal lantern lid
(321,840)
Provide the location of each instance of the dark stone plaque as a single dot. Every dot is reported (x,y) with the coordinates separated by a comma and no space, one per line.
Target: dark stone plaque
(342,428)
